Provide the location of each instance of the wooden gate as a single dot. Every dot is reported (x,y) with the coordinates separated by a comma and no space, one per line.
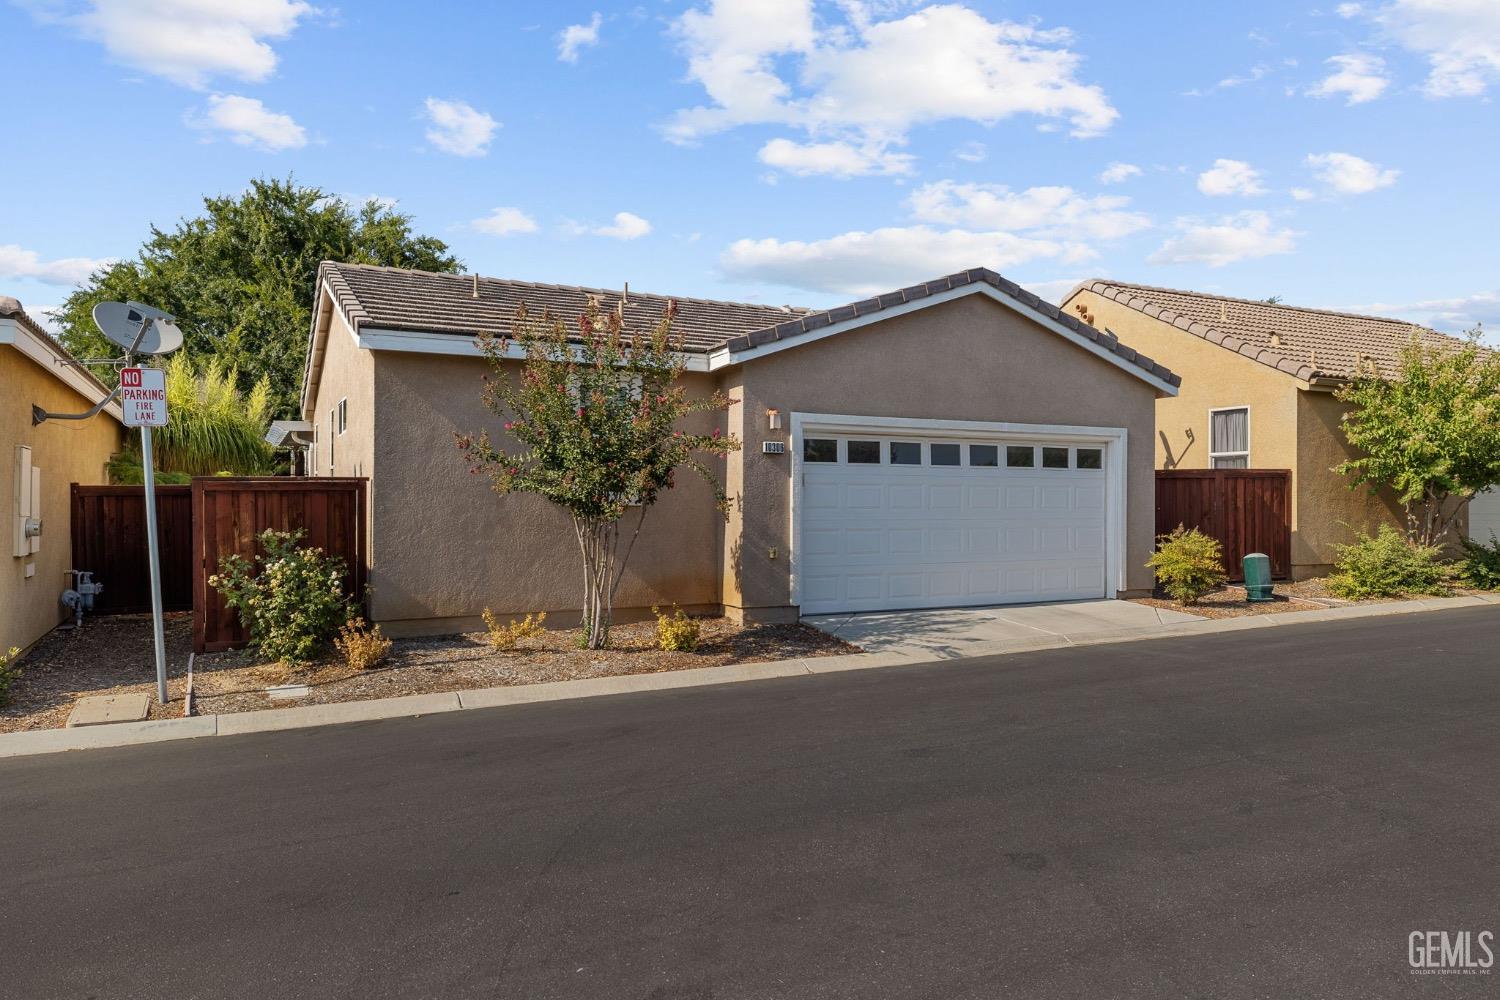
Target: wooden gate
(229,513)
(108,526)
(1247,510)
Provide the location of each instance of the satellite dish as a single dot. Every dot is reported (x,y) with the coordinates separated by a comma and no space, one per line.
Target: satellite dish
(122,323)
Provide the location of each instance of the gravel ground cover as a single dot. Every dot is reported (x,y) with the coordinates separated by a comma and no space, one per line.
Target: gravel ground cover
(113,655)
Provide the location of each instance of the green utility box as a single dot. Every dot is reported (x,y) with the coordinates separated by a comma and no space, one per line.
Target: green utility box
(1258,578)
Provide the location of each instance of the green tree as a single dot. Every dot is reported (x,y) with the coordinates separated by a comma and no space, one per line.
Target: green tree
(594,424)
(1429,431)
(240,277)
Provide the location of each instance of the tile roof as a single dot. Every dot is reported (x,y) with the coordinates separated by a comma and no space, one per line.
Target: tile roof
(1308,344)
(390,298)
(396,299)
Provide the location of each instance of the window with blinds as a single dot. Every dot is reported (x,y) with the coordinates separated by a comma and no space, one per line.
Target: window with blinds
(1229,438)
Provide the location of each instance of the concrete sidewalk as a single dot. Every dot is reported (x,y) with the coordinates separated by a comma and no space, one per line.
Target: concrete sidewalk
(950,633)
(1107,630)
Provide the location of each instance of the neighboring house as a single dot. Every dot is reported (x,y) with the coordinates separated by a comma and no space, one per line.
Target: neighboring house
(1258,384)
(956,442)
(37,464)
(1484,517)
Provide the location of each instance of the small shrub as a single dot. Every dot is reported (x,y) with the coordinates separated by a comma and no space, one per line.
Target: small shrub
(10,672)
(361,647)
(676,633)
(1481,564)
(291,599)
(1386,564)
(510,636)
(1188,564)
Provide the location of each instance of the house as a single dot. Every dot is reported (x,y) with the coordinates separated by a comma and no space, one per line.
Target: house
(1258,392)
(958,442)
(37,464)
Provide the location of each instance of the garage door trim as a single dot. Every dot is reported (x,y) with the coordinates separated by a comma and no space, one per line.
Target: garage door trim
(1114,440)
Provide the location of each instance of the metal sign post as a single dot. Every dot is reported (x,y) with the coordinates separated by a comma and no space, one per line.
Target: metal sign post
(143,401)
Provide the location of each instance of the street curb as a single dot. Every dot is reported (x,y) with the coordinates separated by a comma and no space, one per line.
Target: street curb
(47,741)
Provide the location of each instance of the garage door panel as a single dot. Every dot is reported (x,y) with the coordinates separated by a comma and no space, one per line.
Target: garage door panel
(881,536)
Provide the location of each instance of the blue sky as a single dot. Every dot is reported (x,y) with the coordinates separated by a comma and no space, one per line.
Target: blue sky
(790,150)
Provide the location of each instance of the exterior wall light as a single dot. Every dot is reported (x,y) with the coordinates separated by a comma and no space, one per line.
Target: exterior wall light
(773,418)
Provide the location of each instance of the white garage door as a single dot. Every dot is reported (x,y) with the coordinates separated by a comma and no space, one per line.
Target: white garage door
(1484,516)
(921,522)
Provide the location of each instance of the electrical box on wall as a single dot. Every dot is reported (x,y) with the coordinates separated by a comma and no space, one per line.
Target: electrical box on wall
(26,505)
(773,447)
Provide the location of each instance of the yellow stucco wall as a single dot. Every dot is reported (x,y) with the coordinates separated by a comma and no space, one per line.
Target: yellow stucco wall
(1291,427)
(67,451)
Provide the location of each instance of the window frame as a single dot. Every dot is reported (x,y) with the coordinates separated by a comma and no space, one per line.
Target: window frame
(1214,456)
(343,415)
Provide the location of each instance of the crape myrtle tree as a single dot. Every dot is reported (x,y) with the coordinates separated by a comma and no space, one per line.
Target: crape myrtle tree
(595,420)
(1429,431)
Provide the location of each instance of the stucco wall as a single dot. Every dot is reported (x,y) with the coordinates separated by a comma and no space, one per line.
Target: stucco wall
(348,373)
(969,359)
(1291,427)
(67,451)
(445,546)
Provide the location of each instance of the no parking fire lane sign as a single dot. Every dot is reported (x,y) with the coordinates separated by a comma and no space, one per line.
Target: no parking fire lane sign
(143,397)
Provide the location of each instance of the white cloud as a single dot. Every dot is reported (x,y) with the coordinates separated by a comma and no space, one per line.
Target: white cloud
(1303,194)
(972,152)
(627,226)
(1459,38)
(835,159)
(457,128)
(1458,314)
(578,36)
(505,221)
(1358,78)
(868,81)
(248,122)
(16,262)
(1228,177)
(1348,10)
(186,41)
(1349,174)
(864,263)
(1055,211)
(1118,173)
(1242,236)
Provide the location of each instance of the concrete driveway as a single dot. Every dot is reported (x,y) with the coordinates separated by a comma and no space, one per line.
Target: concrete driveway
(953,632)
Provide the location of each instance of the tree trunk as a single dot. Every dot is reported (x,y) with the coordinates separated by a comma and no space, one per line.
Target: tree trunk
(597,542)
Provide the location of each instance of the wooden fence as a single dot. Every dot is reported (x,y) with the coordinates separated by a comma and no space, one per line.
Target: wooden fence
(228,514)
(1247,510)
(199,524)
(108,526)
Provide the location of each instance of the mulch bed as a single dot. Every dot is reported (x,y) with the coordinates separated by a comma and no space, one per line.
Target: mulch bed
(1229,602)
(113,655)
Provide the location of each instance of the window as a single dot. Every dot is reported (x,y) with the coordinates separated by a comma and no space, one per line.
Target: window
(1229,438)
(906,453)
(864,452)
(343,415)
(945,454)
(1054,458)
(333,418)
(1019,456)
(820,450)
(1090,458)
(984,456)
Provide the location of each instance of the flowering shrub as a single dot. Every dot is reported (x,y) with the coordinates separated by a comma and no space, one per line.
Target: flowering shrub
(9,673)
(594,419)
(509,636)
(291,599)
(1386,564)
(676,632)
(1188,564)
(361,647)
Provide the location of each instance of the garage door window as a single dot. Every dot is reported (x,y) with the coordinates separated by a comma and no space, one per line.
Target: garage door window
(906,453)
(1090,458)
(820,450)
(1020,457)
(864,452)
(984,456)
(1054,458)
(946,454)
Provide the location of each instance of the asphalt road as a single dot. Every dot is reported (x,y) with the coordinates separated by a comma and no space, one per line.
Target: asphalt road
(1257,814)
